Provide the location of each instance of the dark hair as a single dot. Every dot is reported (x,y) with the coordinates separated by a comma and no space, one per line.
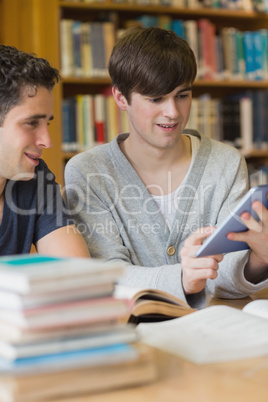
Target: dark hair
(19,70)
(151,61)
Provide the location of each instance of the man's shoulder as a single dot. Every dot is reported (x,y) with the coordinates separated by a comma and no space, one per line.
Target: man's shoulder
(215,147)
(225,150)
(99,158)
(99,152)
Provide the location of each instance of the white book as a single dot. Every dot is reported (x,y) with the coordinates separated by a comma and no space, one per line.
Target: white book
(214,334)
(191,33)
(66,45)
(15,301)
(69,313)
(246,123)
(12,334)
(36,273)
(124,334)
(88,121)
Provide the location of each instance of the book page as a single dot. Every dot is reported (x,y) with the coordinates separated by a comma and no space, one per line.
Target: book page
(258,308)
(125,292)
(214,334)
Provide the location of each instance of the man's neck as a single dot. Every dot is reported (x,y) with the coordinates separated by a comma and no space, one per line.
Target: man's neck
(3,183)
(2,194)
(161,170)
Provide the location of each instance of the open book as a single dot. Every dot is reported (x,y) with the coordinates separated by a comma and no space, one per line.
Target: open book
(150,305)
(214,334)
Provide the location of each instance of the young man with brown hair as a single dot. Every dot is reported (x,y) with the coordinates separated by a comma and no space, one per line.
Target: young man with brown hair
(32,210)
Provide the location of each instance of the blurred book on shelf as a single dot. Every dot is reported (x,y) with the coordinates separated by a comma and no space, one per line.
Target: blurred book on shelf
(247,5)
(90,120)
(225,53)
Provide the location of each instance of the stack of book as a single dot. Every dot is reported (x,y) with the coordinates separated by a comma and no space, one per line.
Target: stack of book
(62,331)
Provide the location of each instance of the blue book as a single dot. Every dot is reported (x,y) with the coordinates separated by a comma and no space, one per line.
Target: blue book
(259,118)
(148,21)
(70,143)
(248,54)
(258,55)
(66,126)
(69,360)
(264,45)
(178,27)
(27,259)
(77,32)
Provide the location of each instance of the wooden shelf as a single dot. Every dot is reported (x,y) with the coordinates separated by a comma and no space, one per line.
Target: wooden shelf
(255,153)
(209,12)
(198,83)
(230,83)
(87,80)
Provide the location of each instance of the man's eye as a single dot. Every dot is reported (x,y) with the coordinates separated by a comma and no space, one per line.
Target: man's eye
(33,123)
(155,100)
(184,95)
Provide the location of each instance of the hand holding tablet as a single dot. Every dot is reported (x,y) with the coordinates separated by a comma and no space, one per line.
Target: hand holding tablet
(218,243)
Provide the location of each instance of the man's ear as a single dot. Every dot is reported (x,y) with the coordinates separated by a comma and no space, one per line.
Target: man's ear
(119,98)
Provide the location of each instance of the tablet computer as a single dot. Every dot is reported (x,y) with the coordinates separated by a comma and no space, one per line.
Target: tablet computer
(218,243)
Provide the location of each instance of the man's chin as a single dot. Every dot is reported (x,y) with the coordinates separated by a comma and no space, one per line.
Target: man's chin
(25,176)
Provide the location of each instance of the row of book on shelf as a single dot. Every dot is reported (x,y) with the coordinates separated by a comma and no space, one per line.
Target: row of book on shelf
(226,54)
(239,119)
(62,331)
(90,120)
(247,5)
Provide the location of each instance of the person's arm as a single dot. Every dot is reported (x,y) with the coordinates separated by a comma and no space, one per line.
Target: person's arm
(231,277)
(54,230)
(63,242)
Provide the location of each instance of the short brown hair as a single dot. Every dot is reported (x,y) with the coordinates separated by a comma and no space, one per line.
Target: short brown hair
(151,61)
(19,70)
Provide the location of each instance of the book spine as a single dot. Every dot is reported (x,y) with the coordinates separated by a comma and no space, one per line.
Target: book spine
(98,49)
(99,101)
(66,44)
(248,52)
(77,48)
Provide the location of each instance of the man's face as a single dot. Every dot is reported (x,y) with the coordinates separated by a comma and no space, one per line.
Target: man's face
(159,121)
(24,134)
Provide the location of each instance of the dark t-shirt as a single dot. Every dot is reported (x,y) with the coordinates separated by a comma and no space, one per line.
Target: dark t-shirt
(32,209)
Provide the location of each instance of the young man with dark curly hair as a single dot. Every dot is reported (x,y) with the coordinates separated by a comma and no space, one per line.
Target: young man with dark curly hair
(32,210)
(152,195)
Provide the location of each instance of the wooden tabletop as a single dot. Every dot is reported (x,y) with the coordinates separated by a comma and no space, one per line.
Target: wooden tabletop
(182,381)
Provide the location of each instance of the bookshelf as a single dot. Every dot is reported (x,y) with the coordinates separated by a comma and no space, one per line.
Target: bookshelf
(41,34)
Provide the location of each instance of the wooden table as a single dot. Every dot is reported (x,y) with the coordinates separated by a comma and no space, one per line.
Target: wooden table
(182,381)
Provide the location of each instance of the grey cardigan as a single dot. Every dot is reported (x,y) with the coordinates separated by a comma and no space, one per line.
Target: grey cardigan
(120,220)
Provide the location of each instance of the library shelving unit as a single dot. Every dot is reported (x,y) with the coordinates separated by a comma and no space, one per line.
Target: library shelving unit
(35,26)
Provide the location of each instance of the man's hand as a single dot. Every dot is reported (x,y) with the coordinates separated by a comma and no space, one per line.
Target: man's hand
(257,239)
(196,271)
